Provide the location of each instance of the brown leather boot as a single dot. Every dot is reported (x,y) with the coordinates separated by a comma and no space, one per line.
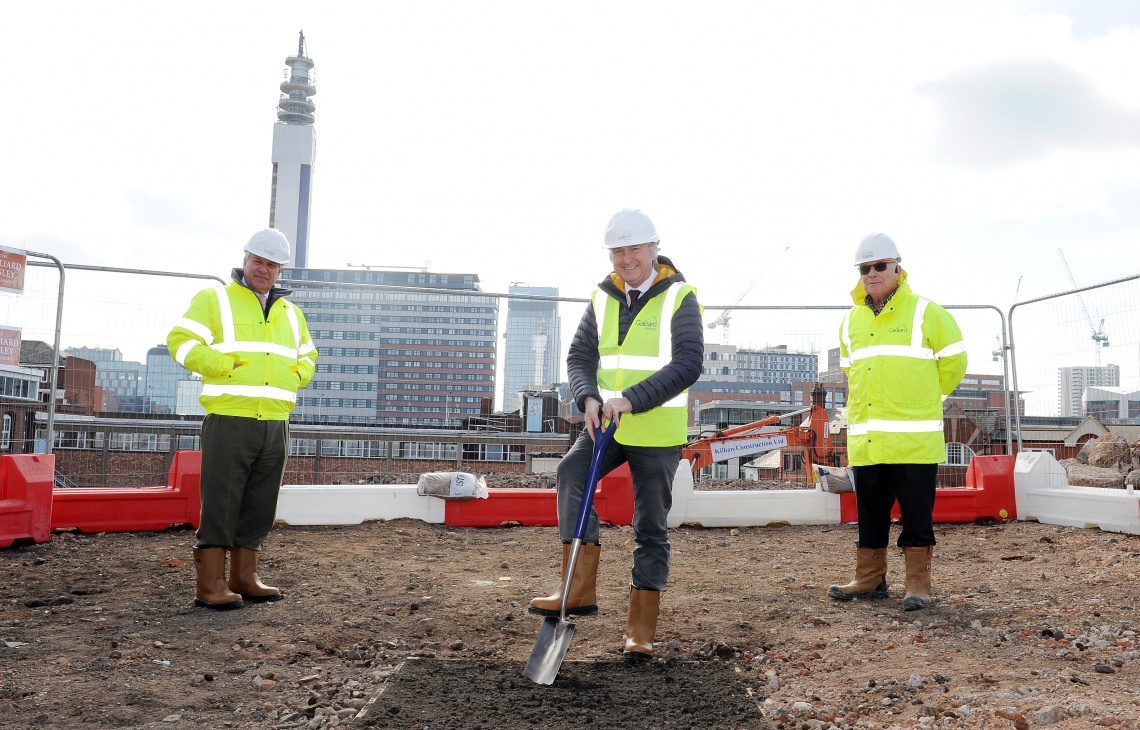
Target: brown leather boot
(917,578)
(244,579)
(641,624)
(583,598)
(870,577)
(210,565)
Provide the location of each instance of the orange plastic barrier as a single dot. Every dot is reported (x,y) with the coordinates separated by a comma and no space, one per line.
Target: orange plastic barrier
(988,494)
(25,497)
(97,509)
(613,501)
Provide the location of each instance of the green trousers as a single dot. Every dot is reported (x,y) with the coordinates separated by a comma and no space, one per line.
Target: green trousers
(243,462)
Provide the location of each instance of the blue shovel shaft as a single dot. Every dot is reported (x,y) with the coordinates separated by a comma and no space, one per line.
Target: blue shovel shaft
(601,443)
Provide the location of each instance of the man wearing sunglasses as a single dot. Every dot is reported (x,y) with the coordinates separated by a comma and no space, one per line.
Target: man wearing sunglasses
(903,354)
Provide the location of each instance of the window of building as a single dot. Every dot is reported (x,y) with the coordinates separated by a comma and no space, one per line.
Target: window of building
(958,454)
(6,433)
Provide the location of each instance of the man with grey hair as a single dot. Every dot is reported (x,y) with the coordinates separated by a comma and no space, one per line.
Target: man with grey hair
(638,348)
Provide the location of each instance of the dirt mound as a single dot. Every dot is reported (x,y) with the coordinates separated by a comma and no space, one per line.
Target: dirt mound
(1033,625)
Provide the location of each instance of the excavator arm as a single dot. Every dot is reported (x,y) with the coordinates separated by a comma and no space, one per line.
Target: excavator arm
(813,437)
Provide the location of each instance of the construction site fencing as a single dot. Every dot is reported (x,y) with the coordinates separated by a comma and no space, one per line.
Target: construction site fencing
(130,311)
(1064,343)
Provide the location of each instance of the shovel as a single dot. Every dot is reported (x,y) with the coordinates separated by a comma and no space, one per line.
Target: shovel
(554,637)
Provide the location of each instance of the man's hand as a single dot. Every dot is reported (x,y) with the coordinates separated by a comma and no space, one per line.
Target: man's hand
(593,419)
(614,407)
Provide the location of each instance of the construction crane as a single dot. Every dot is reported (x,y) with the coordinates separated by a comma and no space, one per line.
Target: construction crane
(1100,339)
(726,315)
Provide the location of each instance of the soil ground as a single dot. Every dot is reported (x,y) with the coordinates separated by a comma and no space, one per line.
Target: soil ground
(402,624)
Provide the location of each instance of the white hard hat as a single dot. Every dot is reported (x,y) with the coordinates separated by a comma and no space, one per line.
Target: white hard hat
(876,247)
(630,227)
(269,243)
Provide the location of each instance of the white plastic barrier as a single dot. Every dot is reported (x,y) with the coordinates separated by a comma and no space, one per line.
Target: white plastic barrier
(353,504)
(749,508)
(1043,493)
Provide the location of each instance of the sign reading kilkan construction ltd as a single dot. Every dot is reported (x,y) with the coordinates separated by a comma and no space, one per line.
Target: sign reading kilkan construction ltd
(10,345)
(722,450)
(12,265)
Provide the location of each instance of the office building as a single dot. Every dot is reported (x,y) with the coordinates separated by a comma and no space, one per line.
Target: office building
(294,151)
(533,351)
(396,357)
(161,378)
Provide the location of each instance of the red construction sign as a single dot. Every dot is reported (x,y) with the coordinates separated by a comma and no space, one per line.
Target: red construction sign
(12,265)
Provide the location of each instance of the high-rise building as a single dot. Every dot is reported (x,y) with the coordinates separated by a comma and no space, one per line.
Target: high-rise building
(766,365)
(294,150)
(1072,381)
(161,378)
(533,349)
(396,358)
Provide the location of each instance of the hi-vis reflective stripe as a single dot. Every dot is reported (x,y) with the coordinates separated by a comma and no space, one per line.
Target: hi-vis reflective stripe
(664,332)
(197,328)
(184,350)
(292,315)
(678,401)
(913,350)
(226,314)
(250,391)
(251,346)
(862,429)
(955,349)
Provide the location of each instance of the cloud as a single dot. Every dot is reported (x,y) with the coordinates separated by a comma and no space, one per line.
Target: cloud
(1015,110)
(1092,19)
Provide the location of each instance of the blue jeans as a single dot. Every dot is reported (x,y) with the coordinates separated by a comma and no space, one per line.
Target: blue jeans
(652,469)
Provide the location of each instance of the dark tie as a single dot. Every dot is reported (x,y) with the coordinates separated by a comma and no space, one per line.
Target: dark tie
(633,295)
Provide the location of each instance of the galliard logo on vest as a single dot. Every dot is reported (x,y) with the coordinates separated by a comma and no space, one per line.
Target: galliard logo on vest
(901,329)
(647,324)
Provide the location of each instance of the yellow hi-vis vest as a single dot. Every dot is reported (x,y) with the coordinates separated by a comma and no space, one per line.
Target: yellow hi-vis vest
(647,348)
(226,326)
(899,365)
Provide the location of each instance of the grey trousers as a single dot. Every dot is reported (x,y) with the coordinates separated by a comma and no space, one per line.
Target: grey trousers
(243,462)
(652,469)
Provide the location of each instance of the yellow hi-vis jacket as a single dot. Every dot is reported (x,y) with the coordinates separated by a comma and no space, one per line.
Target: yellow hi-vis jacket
(648,347)
(899,366)
(251,365)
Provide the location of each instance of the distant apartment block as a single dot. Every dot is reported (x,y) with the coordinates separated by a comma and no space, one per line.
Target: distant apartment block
(1072,382)
(533,350)
(396,357)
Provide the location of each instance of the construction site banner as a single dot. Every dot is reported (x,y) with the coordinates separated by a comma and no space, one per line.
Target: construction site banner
(10,338)
(13,263)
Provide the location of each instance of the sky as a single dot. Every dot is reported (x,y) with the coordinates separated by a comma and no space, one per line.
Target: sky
(765,139)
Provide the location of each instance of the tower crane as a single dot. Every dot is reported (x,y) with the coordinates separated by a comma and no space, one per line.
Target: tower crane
(726,315)
(1100,339)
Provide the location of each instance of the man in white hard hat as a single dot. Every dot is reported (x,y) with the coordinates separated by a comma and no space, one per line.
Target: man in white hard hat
(638,348)
(254,352)
(903,354)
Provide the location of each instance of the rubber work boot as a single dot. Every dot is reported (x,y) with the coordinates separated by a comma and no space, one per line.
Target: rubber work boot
(641,624)
(917,578)
(244,580)
(210,565)
(870,577)
(583,598)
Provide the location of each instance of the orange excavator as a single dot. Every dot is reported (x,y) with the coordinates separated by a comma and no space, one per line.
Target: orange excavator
(812,438)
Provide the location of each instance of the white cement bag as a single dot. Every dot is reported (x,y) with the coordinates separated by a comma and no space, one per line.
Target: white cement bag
(457,485)
(836,479)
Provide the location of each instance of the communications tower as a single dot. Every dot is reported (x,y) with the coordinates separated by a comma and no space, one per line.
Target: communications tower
(294,149)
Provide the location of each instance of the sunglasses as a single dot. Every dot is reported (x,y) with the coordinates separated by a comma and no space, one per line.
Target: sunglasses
(880,267)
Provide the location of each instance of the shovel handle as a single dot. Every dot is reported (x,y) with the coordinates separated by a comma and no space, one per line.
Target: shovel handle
(601,443)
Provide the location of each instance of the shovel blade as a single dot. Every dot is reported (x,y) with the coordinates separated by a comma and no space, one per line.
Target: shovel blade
(549,651)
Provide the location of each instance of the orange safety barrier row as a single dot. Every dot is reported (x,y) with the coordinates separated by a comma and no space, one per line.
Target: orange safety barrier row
(613,502)
(97,509)
(988,495)
(25,498)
